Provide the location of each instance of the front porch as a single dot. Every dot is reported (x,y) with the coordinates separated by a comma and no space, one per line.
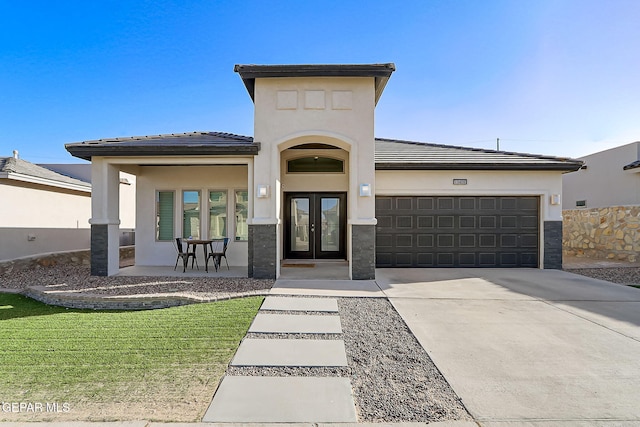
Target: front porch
(289,270)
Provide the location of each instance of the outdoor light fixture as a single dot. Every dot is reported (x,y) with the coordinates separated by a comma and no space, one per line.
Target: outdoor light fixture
(555,199)
(365,190)
(262,191)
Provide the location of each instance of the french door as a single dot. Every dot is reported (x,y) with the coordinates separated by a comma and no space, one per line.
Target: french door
(315,225)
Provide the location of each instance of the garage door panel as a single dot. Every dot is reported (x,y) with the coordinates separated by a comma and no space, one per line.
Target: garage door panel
(426,221)
(467,231)
(447,221)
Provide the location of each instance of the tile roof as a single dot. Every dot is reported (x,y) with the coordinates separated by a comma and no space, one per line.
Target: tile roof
(632,165)
(392,154)
(11,167)
(174,144)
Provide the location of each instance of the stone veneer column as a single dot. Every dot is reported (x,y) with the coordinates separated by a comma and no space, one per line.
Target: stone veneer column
(262,251)
(553,245)
(363,254)
(99,250)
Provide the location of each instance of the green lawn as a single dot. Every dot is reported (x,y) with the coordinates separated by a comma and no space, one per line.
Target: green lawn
(108,365)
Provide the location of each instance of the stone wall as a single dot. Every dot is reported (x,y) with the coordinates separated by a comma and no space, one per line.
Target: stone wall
(82,257)
(602,233)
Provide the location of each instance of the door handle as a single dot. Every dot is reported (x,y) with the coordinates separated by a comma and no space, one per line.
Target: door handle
(313,228)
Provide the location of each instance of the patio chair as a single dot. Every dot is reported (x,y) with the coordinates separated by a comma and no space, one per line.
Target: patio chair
(218,253)
(185,256)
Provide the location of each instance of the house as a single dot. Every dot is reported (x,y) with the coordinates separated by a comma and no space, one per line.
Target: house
(42,211)
(314,183)
(46,208)
(601,207)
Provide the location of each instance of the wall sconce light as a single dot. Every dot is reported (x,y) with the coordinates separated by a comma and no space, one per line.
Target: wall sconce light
(365,190)
(555,199)
(262,191)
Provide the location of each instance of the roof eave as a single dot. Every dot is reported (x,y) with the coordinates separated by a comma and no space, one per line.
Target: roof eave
(84,151)
(381,73)
(569,167)
(45,181)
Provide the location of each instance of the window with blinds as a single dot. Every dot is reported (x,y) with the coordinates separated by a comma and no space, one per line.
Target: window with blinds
(165,208)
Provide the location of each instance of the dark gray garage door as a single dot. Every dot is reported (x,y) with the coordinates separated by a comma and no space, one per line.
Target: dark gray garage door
(457,231)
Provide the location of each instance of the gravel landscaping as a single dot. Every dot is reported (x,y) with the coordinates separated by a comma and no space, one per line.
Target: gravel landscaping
(393,378)
(623,275)
(76,279)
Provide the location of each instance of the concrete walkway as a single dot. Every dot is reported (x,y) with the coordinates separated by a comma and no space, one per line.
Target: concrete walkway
(287,399)
(527,347)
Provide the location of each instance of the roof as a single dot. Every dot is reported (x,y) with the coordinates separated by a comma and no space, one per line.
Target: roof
(391,154)
(174,144)
(394,154)
(632,165)
(381,73)
(21,170)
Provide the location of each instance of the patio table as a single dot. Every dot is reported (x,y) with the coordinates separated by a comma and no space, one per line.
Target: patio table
(196,242)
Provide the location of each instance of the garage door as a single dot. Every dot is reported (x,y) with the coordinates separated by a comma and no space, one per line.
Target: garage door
(457,231)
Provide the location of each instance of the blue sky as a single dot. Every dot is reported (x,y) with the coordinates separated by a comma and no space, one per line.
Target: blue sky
(558,77)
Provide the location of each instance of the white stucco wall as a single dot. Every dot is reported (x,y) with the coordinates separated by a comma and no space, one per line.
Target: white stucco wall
(338,111)
(37,219)
(604,183)
(479,183)
(179,178)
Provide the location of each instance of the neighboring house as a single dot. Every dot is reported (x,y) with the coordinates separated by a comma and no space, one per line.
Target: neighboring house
(42,211)
(601,206)
(82,171)
(314,183)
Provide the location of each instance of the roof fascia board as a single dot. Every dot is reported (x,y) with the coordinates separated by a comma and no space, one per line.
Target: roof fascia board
(181,161)
(87,151)
(473,166)
(44,181)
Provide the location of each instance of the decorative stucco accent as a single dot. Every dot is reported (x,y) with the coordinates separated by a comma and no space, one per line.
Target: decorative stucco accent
(342,100)
(314,100)
(287,100)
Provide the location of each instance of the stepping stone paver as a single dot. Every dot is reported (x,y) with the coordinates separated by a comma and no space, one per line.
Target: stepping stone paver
(296,324)
(293,352)
(300,304)
(282,400)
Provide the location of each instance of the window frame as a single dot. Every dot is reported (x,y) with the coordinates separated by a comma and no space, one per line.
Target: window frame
(226,211)
(199,228)
(157,215)
(235,215)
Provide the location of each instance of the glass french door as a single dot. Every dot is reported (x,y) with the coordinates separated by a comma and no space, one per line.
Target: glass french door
(315,225)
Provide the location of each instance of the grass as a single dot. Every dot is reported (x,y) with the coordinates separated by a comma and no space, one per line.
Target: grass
(164,364)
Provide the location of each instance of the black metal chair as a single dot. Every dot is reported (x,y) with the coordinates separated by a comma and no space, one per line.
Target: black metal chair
(185,256)
(218,253)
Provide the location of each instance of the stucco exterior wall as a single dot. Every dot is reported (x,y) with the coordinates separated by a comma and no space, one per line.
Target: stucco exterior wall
(604,182)
(178,178)
(338,111)
(479,183)
(37,219)
(603,233)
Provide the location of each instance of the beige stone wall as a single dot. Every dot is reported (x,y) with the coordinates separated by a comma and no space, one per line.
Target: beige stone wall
(602,233)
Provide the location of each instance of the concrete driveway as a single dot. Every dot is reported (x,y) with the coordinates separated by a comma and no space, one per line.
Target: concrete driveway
(527,347)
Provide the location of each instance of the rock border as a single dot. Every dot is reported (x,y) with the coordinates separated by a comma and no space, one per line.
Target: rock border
(130,302)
